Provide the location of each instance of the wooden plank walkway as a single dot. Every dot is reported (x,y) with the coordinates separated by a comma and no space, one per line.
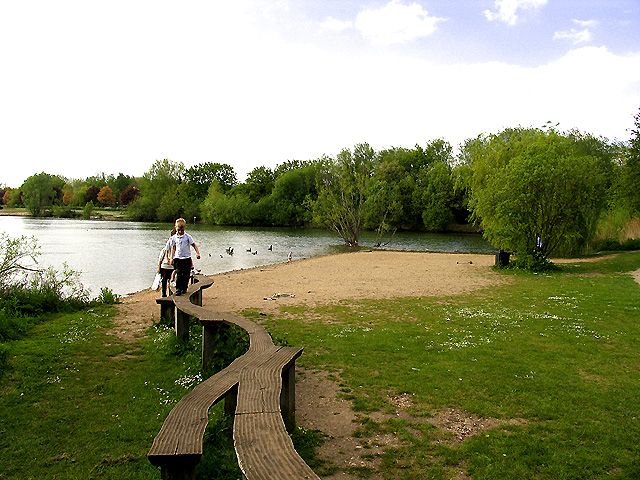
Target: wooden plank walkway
(258,389)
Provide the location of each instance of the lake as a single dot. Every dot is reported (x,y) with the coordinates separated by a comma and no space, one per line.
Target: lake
(122,255)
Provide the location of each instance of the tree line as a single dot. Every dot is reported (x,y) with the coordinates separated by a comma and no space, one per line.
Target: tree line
(533,191)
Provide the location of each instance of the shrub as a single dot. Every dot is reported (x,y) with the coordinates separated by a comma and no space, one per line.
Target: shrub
(107,297)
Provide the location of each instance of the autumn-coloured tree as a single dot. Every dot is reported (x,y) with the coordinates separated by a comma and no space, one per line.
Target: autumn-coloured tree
(67,196)
(91,194)
(129,194)
(106,197)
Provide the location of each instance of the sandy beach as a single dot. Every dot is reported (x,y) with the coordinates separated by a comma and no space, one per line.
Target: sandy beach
(328,279)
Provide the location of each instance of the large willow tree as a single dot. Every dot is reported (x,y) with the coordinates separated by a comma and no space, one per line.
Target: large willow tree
(536,192)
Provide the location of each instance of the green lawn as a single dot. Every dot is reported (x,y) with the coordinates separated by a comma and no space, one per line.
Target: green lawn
(557,353)
(77,403)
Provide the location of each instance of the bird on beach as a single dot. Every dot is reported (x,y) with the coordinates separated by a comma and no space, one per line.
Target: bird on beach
(255,252)
(270,248)
(249,249)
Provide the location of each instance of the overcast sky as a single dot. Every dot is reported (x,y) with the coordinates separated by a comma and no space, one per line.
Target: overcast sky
(111,86)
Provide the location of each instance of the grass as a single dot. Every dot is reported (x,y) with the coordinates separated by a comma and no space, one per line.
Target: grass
(556,353)
(553,357)
(78,403)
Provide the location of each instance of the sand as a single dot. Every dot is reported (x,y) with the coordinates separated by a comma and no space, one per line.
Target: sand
(326,279)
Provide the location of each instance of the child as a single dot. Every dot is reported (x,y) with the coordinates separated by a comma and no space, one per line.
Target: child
(181,244)
(165,269)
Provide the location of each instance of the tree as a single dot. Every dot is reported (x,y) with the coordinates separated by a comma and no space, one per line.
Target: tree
(6,196)
(106,197)
(18,256)
(118,184)
(201,176)
(91,194)
(162,178)
(342,192)
(293,192)
(40,191)
(389,192)
(535,192)
(391,189)
(631,170)
(129,194)
(437,197)
(221,209)
(436,152)
(15,197)
(67,195)
(259,183)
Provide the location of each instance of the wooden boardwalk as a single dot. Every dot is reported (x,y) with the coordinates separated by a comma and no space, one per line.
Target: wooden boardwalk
(258,389)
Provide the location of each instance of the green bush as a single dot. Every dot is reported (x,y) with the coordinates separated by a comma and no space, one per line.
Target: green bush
(12,327)
(615,245)
(64,212)
(107,297)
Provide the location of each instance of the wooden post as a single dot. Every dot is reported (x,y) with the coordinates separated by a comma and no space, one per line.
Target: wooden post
(209,335)
(182,325)
(231,401)
(167,313)
(179,470)
(288,397)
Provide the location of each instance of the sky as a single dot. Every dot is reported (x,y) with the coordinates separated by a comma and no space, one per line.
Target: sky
(92,86)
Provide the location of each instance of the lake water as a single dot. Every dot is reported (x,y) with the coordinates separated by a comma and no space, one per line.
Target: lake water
(122,255)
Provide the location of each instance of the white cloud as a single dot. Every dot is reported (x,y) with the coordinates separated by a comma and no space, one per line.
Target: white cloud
(334,25)
(507,11)
(212,83)
(577,36)
(396,23)
(585,23)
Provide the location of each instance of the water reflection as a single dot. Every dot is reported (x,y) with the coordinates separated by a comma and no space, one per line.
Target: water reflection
(122,255)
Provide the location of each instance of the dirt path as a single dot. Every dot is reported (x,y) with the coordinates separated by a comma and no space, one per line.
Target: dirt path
(324,280)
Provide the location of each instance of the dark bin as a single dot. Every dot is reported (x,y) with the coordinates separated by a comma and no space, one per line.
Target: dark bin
(502,258)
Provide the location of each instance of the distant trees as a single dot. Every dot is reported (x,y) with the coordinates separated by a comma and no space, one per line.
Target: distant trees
(534,191)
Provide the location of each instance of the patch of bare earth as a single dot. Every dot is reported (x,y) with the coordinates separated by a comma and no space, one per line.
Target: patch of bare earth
(135,315)
(320,407)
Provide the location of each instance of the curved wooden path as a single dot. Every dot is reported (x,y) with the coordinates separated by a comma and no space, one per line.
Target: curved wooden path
(258,389)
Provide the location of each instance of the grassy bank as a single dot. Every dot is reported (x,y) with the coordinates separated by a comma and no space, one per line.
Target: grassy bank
(78,403)
(552,360)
